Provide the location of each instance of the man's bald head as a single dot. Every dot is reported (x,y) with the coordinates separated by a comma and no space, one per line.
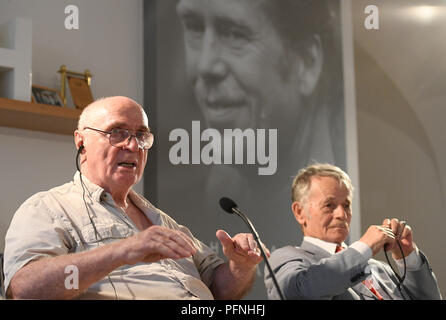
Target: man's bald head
(96,112)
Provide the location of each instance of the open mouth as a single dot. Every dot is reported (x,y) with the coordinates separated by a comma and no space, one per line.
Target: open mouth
(127,164)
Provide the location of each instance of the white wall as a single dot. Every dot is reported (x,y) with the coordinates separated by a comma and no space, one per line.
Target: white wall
(109,42)
(400,77)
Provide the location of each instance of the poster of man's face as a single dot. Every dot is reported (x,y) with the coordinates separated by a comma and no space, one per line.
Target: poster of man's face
(247,93)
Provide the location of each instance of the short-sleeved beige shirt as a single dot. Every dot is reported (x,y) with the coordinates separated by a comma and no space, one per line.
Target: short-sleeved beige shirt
(56,222)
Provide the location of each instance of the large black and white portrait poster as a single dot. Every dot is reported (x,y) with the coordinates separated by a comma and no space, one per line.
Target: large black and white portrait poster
(242,94)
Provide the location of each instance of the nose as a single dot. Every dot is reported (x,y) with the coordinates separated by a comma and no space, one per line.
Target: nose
(131,144)
(211,65)
(341,212)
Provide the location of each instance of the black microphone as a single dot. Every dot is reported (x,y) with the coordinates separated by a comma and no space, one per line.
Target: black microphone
(231,207)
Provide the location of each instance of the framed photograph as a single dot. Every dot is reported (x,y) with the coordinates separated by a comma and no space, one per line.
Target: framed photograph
(80,92)
(46,96)
(245,121)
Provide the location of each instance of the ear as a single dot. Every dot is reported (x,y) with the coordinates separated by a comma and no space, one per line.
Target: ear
(298,211)
(78,139)
(310,68)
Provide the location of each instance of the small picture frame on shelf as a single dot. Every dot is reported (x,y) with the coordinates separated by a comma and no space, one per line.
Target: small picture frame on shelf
(80,92)
(46,96)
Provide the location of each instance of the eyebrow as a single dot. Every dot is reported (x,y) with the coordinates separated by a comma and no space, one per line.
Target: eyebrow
(328,199)
(125,126)
(220,21)
(227,22)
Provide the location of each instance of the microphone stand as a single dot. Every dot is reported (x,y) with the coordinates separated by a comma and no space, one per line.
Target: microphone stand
(256,237)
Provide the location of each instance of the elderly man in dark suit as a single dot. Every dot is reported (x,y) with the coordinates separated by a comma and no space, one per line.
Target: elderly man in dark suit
(324,267)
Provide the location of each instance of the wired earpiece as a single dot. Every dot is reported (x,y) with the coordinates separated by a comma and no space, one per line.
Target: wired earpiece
(96,233)
(77,157)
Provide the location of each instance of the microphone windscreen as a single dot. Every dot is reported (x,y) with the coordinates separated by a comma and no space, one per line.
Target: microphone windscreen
(227,204)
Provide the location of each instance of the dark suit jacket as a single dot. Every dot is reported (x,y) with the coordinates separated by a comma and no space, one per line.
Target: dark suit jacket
(309,272)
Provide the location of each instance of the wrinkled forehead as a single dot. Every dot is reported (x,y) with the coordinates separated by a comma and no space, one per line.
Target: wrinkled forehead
(225,14)
(323,185)
(110,113)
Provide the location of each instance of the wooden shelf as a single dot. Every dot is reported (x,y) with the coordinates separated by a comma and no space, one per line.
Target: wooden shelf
(38,117)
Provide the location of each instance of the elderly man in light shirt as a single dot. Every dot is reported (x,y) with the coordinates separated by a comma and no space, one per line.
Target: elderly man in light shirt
(324,267)
(95,238)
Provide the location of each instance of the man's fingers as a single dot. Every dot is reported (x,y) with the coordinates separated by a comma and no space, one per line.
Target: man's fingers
(183,241)
(387,231)
(258,251)
(402,228)
(170,243)
(224,237)
(407,231)
(252,243)
(243,243)
(388,241)
(398,227)
(253,246)
(178,249)
(392,224)
(395,226)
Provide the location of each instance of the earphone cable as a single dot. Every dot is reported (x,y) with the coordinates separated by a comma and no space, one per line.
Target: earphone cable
(400,278)
(96,233)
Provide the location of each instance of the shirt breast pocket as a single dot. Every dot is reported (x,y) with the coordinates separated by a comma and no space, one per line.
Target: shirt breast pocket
(104,231)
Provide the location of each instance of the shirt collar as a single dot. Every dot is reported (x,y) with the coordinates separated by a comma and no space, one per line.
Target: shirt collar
(96,192)
(149,209)
(330,247)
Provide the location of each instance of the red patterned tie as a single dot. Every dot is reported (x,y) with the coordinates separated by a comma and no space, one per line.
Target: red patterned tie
(367,282)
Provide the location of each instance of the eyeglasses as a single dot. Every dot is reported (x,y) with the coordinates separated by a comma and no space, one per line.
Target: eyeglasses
(120,137)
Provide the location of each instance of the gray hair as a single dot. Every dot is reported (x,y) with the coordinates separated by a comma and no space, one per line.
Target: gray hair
(302,182)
